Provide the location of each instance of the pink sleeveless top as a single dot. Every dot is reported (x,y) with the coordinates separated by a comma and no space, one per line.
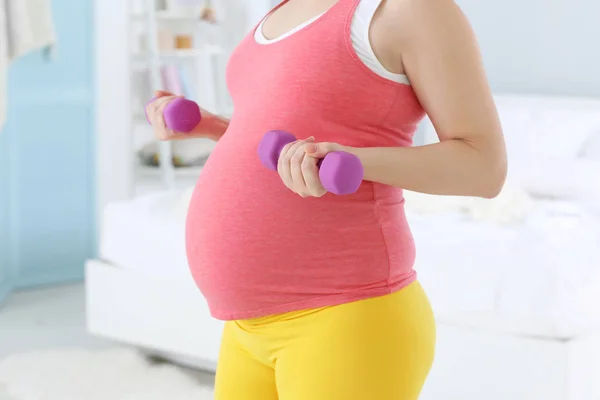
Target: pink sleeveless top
(254,247)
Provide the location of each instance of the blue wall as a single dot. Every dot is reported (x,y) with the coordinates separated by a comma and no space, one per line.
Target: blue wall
(47,158)
(539,46)
(5,272)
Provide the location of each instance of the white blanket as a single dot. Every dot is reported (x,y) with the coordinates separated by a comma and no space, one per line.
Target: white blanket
(25,25)
(510,207)
(539,277)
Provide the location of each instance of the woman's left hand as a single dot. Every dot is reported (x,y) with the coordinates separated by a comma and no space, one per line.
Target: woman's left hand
(298,168)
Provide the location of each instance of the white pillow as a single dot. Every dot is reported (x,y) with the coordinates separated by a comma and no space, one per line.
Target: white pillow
(535,134)
(559,178)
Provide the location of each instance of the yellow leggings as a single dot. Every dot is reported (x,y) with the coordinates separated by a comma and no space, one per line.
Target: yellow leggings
(376,349)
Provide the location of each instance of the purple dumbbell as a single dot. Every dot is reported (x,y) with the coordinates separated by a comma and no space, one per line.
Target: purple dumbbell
(340,172)
(181,115)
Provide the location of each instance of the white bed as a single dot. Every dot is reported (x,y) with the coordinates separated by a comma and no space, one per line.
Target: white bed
(514,282)
(540,277)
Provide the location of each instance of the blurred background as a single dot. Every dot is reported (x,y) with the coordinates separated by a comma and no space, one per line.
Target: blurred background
(96,300)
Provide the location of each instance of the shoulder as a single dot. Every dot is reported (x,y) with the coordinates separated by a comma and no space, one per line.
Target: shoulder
(440,21)
(428,8)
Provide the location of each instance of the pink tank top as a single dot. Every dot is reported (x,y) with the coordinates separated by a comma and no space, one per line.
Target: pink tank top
(254,247)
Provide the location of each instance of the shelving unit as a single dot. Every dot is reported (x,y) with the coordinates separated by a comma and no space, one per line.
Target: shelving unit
(124,57)
(154,24)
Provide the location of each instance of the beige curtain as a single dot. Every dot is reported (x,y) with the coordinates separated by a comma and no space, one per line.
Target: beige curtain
(25,25)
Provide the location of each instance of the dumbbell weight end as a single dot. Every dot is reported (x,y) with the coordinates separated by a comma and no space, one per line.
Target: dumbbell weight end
(340,172)
(181,115)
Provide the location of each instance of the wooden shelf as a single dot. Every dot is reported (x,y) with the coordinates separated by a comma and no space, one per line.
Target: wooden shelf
(197,52)
(182,172)
(140,59)
(168,55)
(168,16)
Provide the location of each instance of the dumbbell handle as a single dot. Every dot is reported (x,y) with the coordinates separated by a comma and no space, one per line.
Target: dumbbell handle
(340,172)
(181,115)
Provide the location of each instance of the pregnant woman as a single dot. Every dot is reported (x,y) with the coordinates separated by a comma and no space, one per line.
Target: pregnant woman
(318,290)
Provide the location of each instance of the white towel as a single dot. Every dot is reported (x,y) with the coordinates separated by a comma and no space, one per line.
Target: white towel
(25,25)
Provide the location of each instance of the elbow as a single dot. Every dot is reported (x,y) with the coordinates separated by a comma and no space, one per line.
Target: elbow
(489,170)
(494,180)
(492,192)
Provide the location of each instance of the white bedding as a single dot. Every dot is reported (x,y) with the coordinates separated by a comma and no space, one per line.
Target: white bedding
(147,234)
(526,267)
(539,276)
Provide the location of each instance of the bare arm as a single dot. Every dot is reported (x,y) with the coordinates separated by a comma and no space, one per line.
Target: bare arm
(211,126)
(440,55)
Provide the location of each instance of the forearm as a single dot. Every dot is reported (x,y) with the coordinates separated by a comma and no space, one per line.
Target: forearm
(212,126)
(216,127)
(451,167)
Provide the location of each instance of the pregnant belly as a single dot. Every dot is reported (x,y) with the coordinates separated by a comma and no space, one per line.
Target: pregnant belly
(253,244)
